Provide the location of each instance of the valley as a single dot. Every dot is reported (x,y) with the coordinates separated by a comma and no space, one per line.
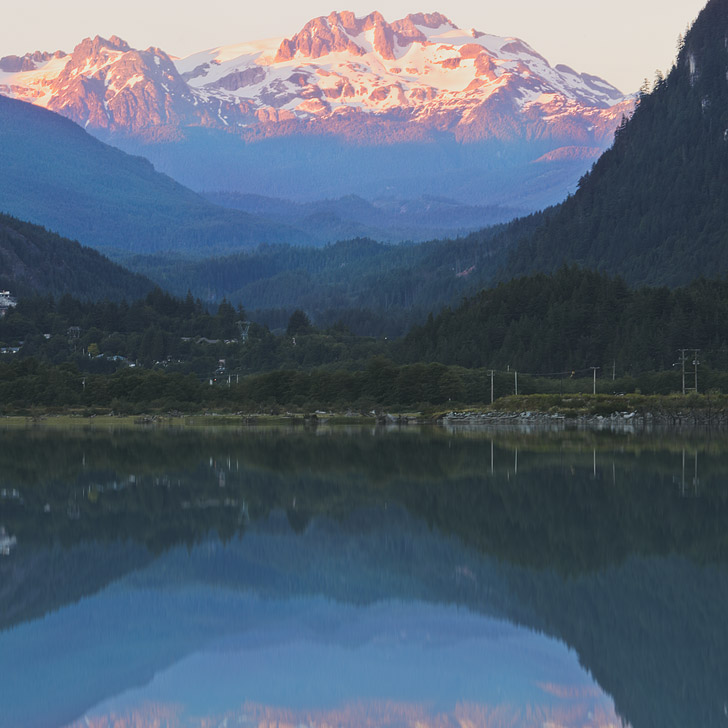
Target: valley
(371,375)
(393,111)
(384,276)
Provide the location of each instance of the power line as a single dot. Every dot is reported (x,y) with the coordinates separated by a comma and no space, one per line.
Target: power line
(569,372)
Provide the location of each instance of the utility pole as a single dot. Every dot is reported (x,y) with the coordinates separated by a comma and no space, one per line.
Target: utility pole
(682,367)
(515,375)
(683,359)
(491,373)
(594,371)
(695,363)
(614,370)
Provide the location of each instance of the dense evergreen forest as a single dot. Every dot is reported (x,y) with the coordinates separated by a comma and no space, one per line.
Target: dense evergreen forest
(34,260)
(373,288)
(173,334)
(575,319)
(653,207)
(167,353)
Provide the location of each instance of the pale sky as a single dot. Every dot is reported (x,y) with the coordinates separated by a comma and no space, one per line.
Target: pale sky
(623,41)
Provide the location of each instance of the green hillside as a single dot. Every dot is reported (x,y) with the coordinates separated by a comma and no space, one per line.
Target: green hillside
(653,207)
(57,175)
(575,319)
(35,261)
(375,289)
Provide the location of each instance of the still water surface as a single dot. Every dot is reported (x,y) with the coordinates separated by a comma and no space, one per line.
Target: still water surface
(362,578)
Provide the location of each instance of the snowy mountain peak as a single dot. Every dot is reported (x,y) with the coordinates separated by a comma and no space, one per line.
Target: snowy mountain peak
(343,32)
(97,45)
(421,70)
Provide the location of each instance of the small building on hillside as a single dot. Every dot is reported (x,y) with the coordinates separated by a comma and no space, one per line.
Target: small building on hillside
(7,301)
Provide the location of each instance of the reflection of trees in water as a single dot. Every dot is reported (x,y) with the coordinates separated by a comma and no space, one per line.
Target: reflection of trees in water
(652,632)
(568,501)
(590,538)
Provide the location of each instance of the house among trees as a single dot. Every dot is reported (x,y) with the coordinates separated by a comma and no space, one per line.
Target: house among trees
(6,302)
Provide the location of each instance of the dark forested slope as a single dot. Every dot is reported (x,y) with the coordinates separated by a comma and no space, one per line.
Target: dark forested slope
(374,288)
(35,261)
(653,208)
(576,319)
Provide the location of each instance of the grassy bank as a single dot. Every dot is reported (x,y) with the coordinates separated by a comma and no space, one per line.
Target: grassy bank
(668,409)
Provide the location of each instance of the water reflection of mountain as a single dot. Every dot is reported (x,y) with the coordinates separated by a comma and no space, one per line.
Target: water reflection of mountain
(607,543)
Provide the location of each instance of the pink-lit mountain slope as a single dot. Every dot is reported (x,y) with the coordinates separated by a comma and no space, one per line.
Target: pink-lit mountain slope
(422,68)
(364,81)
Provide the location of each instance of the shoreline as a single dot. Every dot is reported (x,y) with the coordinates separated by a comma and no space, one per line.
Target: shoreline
(453,420)
(616,420)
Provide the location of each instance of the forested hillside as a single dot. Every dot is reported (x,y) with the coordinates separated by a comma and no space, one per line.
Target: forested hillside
(171,334)
(164,353)
(35,261)
(653,209)
(576,319)
(373,288)
(57,175)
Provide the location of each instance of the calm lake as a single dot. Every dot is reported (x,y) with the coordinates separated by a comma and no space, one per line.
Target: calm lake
(362,577)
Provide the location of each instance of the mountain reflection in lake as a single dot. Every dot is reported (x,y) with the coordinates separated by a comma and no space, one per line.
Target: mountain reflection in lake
(354,577)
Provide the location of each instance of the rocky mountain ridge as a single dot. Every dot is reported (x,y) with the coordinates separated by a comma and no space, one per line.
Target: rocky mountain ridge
(337,75)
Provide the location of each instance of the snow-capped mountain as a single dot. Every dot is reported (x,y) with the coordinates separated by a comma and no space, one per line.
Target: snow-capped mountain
(339,73)
(387,111)
(103,84)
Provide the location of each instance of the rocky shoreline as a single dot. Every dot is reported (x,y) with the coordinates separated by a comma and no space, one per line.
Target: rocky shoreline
(622,420)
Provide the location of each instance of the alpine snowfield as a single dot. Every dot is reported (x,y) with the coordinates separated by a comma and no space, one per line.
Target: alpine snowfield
(422,68)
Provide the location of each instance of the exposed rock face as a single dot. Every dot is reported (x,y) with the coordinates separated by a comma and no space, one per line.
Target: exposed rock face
(28,62)
(421,69)
(337,33)
(108,85)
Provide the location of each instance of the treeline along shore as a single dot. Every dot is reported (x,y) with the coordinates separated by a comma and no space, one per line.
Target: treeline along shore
(571,333)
